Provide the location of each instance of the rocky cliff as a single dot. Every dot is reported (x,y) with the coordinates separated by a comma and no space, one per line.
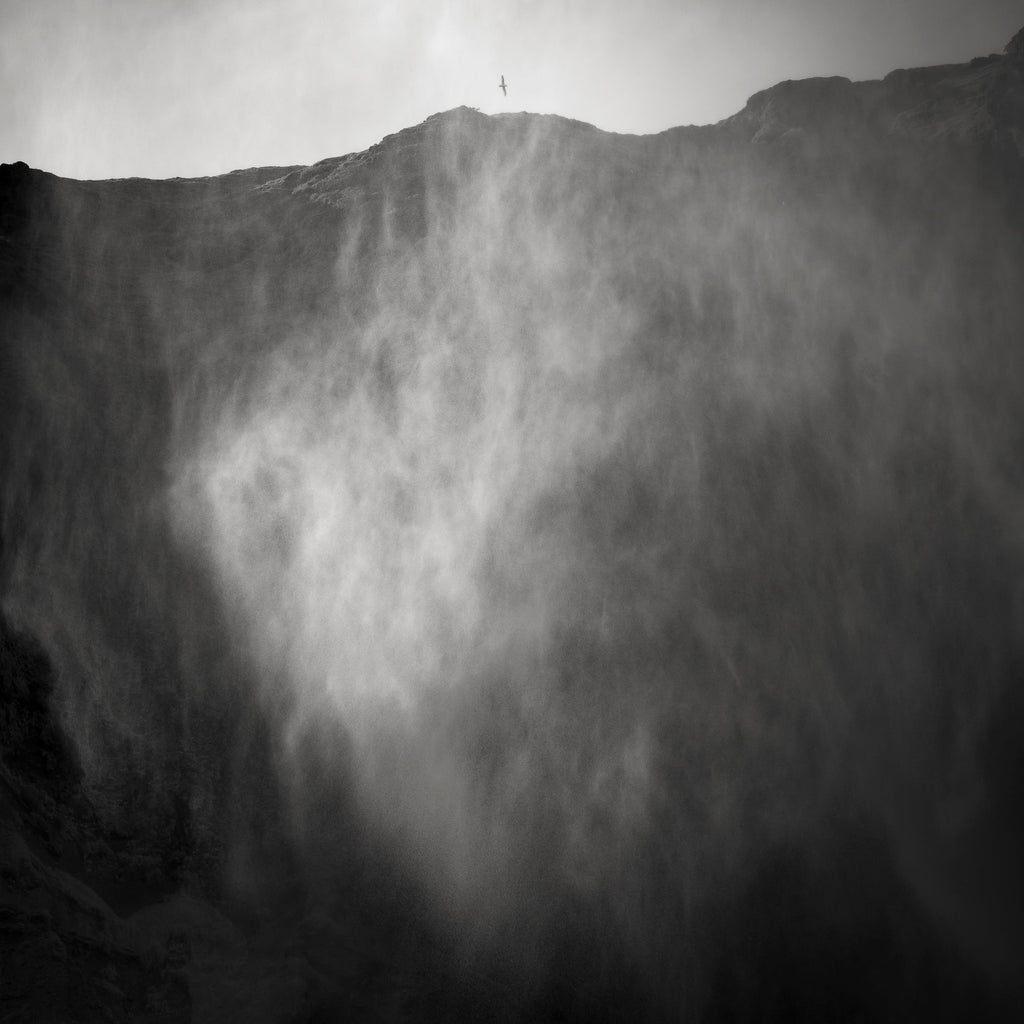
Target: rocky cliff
(521,572)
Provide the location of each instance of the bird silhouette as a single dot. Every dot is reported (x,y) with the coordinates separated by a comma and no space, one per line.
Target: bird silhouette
(502,86)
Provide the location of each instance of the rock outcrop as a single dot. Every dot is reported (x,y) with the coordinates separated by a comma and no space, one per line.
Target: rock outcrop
(979,103)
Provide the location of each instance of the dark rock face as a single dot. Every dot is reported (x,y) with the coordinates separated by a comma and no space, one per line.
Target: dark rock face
(816,105)
(523,573)
(1015,47)
(66,954)
(980,103)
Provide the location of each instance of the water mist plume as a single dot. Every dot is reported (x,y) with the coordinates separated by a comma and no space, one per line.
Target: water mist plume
(585,565)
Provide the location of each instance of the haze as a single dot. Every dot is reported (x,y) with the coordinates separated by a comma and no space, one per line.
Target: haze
(114,88)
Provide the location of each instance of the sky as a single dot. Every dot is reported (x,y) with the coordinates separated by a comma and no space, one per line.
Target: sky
(166,88)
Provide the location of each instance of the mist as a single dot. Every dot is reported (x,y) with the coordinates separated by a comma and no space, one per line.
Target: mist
(595,559)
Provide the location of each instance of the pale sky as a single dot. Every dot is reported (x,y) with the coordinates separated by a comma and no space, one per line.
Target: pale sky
(162,88)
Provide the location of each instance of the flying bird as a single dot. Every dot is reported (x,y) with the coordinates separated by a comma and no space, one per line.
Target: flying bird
(502,86)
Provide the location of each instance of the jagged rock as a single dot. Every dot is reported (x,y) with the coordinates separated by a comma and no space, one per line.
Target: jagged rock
(67,956)
(980,102)
(811,105)
(1015,47)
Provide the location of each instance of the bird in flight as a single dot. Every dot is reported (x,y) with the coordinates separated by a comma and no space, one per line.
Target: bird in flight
(502,86)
